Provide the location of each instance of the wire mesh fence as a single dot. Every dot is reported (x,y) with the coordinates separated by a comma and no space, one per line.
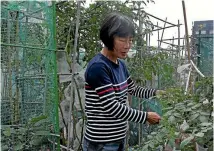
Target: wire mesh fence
(205,50)
(29,98)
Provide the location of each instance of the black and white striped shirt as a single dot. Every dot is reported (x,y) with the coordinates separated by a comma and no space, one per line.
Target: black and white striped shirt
(106,88)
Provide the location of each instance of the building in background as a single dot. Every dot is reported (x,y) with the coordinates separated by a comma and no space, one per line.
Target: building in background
(202,34)
(206,27)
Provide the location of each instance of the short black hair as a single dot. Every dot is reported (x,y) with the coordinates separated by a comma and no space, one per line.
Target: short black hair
(115,24)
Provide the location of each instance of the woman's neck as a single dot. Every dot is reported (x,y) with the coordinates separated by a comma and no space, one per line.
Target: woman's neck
(109,54)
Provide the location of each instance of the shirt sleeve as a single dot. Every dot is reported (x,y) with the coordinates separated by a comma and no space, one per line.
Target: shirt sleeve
(136,90)
(99,78)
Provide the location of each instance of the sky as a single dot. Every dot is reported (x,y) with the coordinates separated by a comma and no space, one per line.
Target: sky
(196,10)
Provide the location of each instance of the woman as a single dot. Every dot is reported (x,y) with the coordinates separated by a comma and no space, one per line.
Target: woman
(107,86)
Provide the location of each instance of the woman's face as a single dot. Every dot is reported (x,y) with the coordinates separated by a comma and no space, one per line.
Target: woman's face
(122,46)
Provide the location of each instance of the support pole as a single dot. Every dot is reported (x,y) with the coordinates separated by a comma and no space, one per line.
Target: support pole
(186,31)
(163,31)
(158,50)
(178,52)
(158,37)
(179,41)
(73,71)
(187,41)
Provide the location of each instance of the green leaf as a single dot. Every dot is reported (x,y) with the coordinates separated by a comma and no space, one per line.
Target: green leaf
(177,115)
(7,132)
(159,137)
(203,119)
(154,133)
(172,142)
(206,124)
(204,130)
(171,119)
(19,146)
(199,134)
(186,141)
(190,104)
(39,123)
(197,106)
(188,110)
(168,113)
(177,133)
(36,141)
(145,147)
(20,137)
(205,113)
(184,126)
(22,130)
(37,119)
(4,148)
(194,116)
(151,144)
(179,104)
(46,133)
(149,137)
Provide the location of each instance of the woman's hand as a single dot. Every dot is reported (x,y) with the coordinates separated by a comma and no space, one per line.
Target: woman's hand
(160,93)
(153,118)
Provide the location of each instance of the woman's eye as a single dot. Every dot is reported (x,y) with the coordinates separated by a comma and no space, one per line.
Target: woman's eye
(126,40)
(122,40)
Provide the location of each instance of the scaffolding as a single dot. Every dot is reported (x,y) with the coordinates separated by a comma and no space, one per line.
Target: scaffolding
(29,96)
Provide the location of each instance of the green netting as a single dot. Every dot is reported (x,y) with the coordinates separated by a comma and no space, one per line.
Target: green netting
(205,49)
(149,105)
(29,98)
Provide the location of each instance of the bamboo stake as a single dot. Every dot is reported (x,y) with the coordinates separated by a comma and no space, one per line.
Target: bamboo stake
(186,30)
(187,40)
(164,28)
(184,44)
(163,31)
(160,19)
(158,37)
(158,66)
(9,69)
(178,50)
(140,56)
(173,46)
(174,39)
(73,71)
(17,65)
(178,39)
(170,43)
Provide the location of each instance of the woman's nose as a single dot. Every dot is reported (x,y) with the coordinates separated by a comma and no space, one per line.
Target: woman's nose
(128,44)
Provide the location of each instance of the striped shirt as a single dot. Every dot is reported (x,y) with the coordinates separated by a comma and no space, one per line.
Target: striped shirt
(106,89)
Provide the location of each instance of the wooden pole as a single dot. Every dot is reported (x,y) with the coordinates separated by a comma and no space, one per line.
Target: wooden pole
(160,19)
(164,28)
(178,51)
(163,31)
(73,71)
(173,47)
(158,37)
(187,43)
(186,30)
(141,44)
(174,39)
(184,44)
(179,42)
(158,50)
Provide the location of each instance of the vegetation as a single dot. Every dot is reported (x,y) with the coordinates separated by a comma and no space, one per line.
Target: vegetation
(186,119)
